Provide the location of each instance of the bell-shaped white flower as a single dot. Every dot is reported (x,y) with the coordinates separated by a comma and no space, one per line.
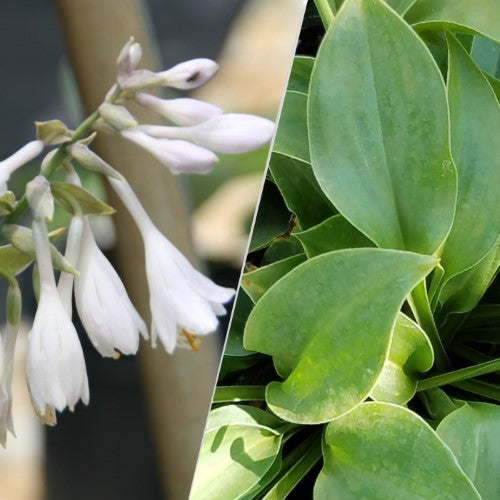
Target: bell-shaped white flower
(229,133)
(56,371)
(106,312)
(24,155)
(184,303)
(178,156)
(183,111)
(189,74)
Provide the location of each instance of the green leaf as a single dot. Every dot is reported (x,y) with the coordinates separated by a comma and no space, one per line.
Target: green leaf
(472,434)
(486,54)
(480,17)
(380,451)
(378,129)
(282,248)
(475,128)
(400,6)
(71,196)
(257,282)
(330,307)
(234,343)
(238,448)
(7,202)
(464,291)
(265,480)
(300,74)
(273,218)
(291,136)
(294,178)
(334,233)
(13,261)
(410,355)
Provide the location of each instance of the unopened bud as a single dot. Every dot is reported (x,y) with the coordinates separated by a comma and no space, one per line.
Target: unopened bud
(40,198)
(14,304)
(142,79)
(182,111)
(117,116)
(189,74)
(128,59)
(53,132)
(7,202)
(88,159)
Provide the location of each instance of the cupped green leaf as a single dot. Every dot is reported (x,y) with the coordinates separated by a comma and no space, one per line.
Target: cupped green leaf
(475,128)
(378,129)
(486,54)
(291,136)
(328,326)
(478,17)
(234,343)
(463,292)
(237,450)
(380,451)
(71,196)
(400,6)
(300,74)
(472,433)
(410,354)
(294,178)
(334,233)
(257,282)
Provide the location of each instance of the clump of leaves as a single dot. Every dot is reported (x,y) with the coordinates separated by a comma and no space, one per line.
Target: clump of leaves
(362,360)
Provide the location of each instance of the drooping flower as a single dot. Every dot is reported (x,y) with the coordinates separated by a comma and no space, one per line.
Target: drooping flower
(24,155)
(8,341)
(184,303)
(178,156)
(106,312)
(56,371)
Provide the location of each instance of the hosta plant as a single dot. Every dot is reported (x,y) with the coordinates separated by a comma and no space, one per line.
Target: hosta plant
(362,359)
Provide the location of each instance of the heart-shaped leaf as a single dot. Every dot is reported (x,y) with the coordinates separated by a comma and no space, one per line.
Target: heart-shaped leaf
(479,17)
(380,451)
(315,317)
(300,74)
(410,354)
(475,128)
(472,433)
(378,129)
(240,445)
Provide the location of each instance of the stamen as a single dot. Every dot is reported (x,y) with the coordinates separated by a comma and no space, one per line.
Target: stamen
(192,339)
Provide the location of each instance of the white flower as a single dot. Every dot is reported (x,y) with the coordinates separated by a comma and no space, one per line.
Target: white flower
(8,166)
(104,307)
(56,371)
(229,133)
(6,370)
(184,303)
(189,74)
(182,111)
(178,156)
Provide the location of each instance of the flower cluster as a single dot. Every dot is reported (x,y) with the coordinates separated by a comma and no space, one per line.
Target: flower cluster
(184,303)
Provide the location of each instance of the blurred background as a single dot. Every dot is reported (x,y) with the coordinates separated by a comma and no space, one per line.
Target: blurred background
(139,436)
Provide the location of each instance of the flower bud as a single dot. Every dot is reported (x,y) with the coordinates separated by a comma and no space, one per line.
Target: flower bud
(128,59)
(182,112)
(117,116)
(40,198)
(189,74)
(14,304)
(142,79)
(27,153)
(88,159)
(230,133)
(178,156)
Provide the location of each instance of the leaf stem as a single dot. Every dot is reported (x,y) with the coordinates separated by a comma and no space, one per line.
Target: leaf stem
(459,375)
(419,303)
(325,11)
(237,393)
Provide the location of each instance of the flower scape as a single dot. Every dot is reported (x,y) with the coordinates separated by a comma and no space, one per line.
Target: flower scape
(184,303)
